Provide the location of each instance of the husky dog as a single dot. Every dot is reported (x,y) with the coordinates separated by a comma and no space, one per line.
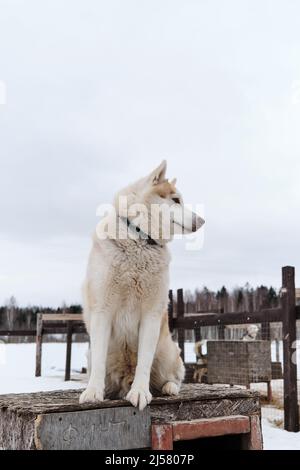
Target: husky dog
(201,367)
(126,294)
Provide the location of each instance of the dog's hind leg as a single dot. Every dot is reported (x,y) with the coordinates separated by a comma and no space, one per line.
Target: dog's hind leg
(170,388)
(167,371)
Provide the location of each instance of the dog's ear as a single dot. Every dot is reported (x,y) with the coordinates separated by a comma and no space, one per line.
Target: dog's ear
(159,174)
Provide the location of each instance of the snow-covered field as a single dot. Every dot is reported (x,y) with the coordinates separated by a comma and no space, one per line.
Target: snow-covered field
(17,367)
(274,437)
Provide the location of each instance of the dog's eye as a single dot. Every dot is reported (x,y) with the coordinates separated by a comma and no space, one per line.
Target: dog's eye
(176,200)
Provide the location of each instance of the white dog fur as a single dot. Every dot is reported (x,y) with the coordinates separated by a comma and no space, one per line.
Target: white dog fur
(125,301)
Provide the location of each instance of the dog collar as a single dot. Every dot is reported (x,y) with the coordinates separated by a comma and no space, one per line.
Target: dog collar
(143,235)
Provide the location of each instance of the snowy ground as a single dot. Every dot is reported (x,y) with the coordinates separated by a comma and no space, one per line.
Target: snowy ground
(275,438)
(17,366)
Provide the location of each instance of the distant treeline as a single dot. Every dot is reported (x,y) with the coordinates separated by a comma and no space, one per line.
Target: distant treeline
(201,300)
(240,299)
(13,317)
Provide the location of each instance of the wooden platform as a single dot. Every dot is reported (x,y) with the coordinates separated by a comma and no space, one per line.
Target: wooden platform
(55,420)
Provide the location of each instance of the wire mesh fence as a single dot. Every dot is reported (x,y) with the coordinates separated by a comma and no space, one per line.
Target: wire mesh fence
(244,354)
(232,356)
(237,355)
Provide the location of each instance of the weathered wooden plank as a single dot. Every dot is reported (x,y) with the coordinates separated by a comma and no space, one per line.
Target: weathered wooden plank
(212,427)
(192,320)
(17,332)
(171,310)
(62,317)
(180,315)
(204,409)
(39,339)
(68,351)
(16,431)
(254,439)
(221,332)
(162,437)
(68,400)
(48,329)
(19,412)
(61,328)
(291,412)
(105,429)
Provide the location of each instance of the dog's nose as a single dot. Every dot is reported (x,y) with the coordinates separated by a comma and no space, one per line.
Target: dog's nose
(197,222)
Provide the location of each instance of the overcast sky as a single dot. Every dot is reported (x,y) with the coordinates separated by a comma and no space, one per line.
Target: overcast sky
(98,92)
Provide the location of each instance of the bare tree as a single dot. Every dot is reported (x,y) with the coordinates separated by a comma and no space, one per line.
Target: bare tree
(11,312)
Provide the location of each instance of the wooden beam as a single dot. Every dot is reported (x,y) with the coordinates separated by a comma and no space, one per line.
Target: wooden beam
(191,321)
(291,412)
(211,427)
(171,309)
(253,440)
(39,339)
(180,317)
(62,329)
(17,332)
(62,317)
(47,330)
(221,332)
(248,427)
(162,437)
(68,351)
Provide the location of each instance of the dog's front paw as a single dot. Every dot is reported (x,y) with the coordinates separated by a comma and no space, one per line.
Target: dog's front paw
(170,388)
(139,396)
(91,395)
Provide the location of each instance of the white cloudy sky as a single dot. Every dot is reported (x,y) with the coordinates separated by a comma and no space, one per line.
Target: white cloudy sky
(98,92)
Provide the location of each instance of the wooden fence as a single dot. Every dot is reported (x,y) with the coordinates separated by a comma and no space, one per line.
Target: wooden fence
(287,314)
(51,324)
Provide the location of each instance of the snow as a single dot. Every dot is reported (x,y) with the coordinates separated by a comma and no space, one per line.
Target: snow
(17,367)
(189,353)
(278,439)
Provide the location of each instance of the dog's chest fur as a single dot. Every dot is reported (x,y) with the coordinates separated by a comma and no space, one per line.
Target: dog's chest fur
(130,275)
(139,268)
(140,277)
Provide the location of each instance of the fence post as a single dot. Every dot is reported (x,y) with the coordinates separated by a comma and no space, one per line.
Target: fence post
(197,333)
(180,314)
(221,328)
(171,310)
(291,412)
(69,350)
(39,339)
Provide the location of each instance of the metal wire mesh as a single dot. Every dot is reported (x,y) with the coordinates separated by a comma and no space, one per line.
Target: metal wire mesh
(240,355)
